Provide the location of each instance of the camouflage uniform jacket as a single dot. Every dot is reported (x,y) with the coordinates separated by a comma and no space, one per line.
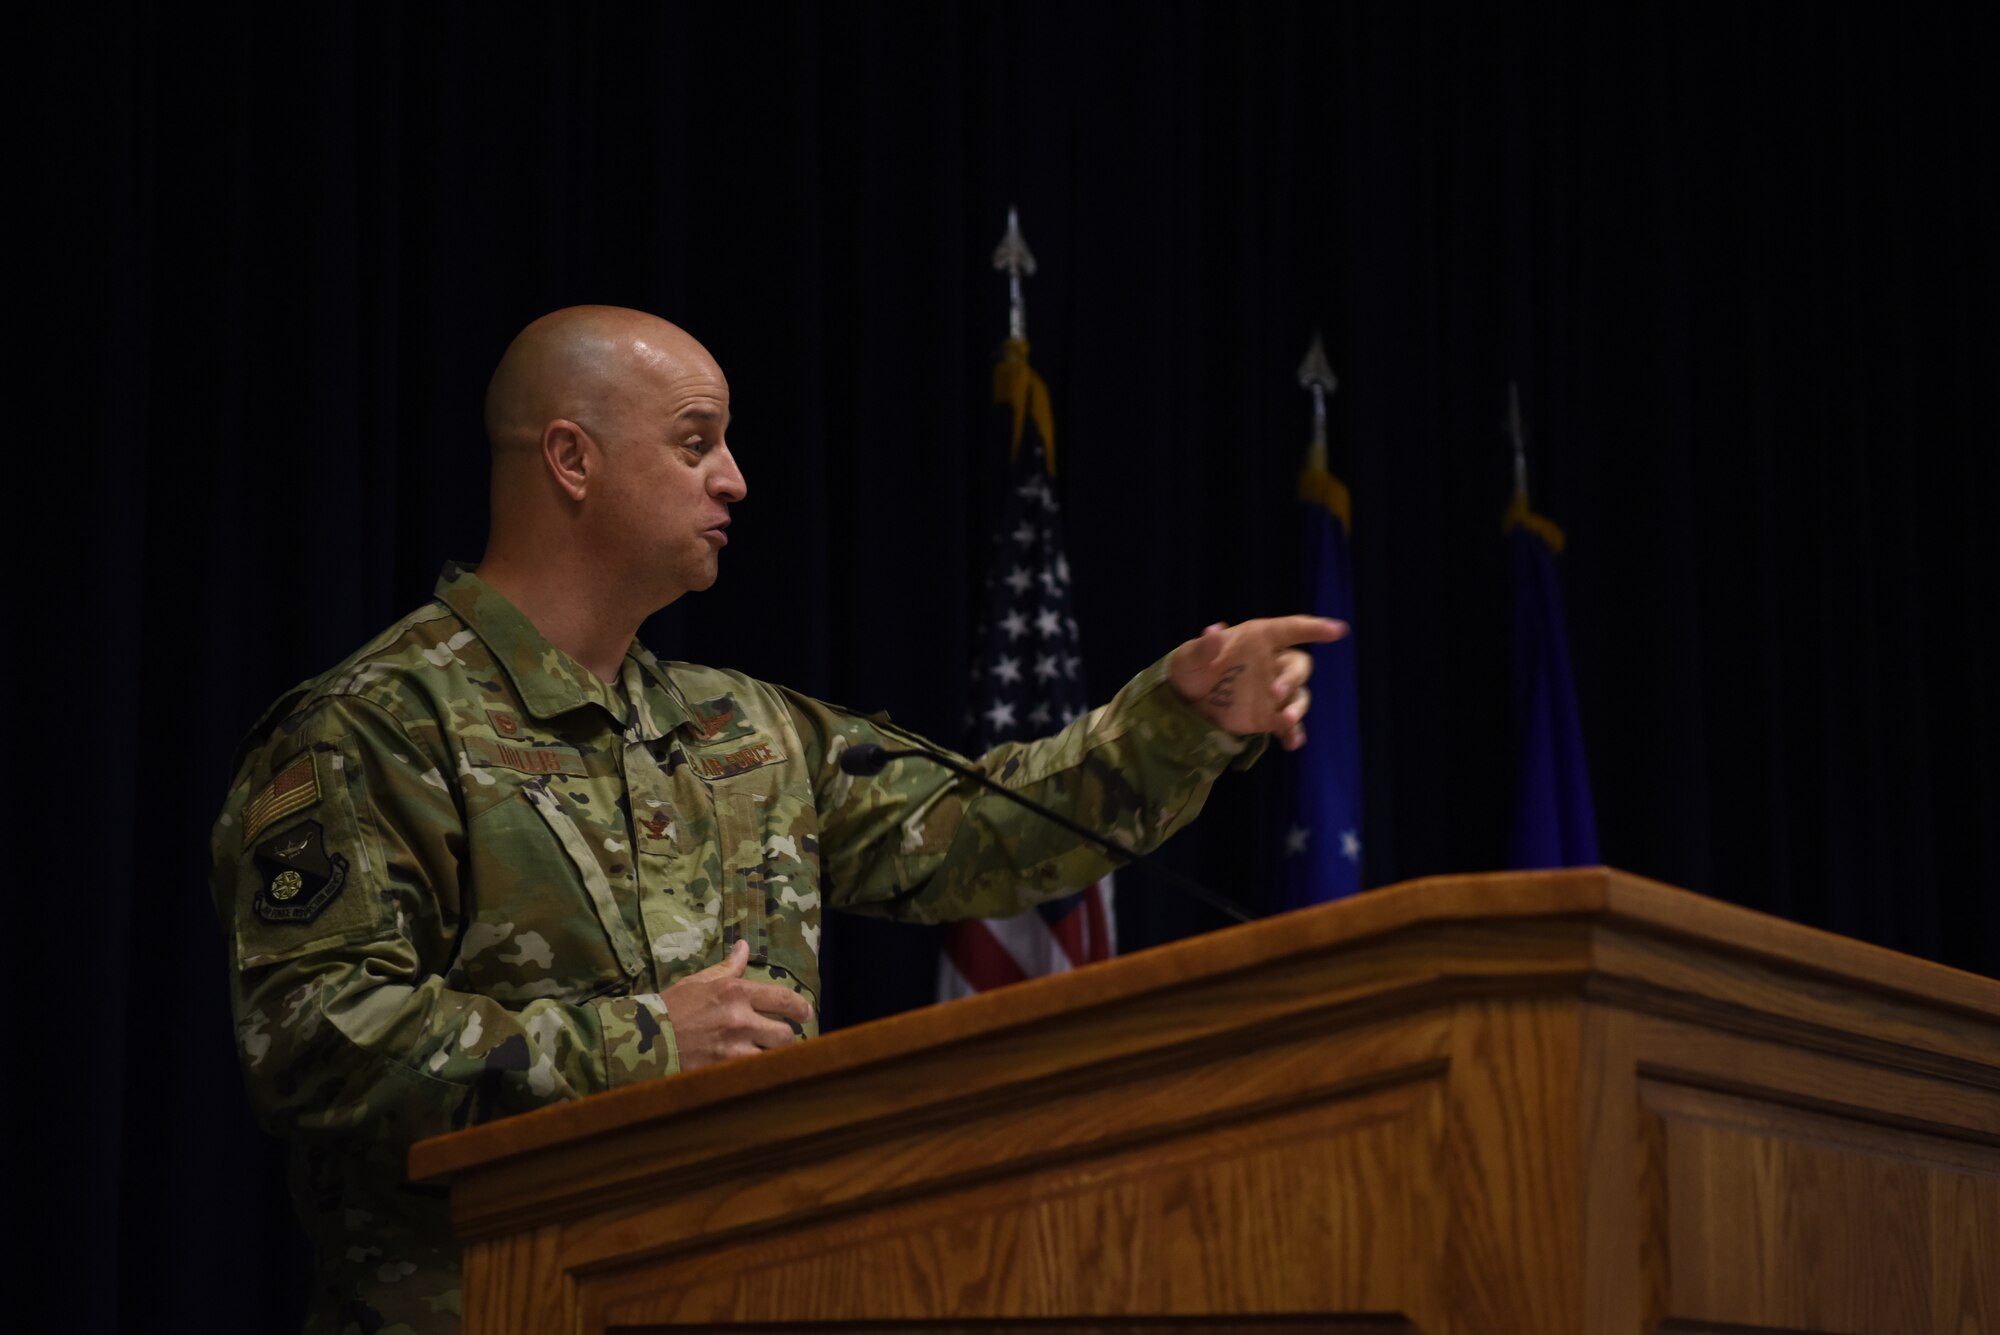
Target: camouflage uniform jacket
(457,870)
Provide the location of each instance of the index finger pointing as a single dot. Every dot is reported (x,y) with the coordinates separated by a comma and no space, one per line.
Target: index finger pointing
(1306,630)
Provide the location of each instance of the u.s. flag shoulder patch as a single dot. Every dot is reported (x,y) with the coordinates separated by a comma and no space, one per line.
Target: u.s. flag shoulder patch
(293,788)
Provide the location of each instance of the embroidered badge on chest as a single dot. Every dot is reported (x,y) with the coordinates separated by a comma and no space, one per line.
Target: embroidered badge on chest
(723,764)
(300,878)
(719,720)
(657,831)
(527,757)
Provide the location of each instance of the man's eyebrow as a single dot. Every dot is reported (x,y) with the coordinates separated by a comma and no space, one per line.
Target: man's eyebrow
(699,415)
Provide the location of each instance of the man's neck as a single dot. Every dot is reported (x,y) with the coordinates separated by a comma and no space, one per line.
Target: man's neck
(571,611)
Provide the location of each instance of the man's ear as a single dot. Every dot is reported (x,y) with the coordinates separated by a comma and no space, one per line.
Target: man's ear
(569,454)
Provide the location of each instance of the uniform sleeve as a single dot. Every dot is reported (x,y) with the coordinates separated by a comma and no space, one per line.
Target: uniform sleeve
(919,844)
(335,873)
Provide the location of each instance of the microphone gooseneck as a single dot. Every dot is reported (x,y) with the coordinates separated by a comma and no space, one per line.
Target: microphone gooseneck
(868,759)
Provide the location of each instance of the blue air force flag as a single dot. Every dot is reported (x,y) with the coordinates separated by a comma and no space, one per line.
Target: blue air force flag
(1321,858)
(1554,822)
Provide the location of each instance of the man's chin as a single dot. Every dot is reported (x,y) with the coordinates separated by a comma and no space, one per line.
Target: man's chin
(703,576)
(671,588)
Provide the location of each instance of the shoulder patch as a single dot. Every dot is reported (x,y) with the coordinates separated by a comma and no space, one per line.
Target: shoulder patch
(300,877)
(293,788)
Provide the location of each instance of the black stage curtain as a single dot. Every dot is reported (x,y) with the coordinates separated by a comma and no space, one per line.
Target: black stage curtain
(1741,262)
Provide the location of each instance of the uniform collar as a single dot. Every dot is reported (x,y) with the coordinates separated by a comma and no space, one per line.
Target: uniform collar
(548,681)
(663,709)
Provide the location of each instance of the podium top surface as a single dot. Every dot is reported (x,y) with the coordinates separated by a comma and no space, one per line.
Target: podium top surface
(1570,928)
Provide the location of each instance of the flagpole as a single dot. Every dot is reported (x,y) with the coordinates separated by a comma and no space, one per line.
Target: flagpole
(1013,258)
(1316,375)
(1517,432)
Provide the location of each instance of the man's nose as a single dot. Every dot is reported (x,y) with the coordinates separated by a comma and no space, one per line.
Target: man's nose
(726,482)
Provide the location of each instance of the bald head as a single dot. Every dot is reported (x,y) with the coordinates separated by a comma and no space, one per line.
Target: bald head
(612,475)
(577,364)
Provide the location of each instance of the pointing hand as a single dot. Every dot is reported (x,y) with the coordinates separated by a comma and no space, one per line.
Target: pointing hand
(1247,678)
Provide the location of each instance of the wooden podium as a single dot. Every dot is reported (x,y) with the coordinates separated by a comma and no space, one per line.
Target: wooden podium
(1529,1104)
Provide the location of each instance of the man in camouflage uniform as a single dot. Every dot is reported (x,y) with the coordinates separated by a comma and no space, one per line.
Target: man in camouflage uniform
(504,856)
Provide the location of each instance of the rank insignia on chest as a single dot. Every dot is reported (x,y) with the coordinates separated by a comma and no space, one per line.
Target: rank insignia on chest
(718,720)
(504,723)
(299,877)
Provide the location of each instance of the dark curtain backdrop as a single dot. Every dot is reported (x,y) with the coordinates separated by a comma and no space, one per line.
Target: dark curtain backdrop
(1741,261)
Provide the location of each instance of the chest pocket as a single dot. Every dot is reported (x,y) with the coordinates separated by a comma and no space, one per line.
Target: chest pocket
(767,831)
(544,918)
(595,883)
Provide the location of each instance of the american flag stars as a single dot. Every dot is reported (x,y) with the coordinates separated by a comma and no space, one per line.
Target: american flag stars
(1298,836)
(1029,665)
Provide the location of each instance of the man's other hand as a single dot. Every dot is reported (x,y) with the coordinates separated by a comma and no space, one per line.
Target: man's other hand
(1247,678)
(717,1014)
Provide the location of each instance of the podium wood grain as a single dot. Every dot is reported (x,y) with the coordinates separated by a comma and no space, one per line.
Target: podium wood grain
(1543,1102)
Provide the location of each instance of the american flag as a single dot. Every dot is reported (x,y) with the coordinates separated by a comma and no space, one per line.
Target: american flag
(1027,682)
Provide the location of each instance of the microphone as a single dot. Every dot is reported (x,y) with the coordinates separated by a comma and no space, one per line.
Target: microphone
(869,759)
